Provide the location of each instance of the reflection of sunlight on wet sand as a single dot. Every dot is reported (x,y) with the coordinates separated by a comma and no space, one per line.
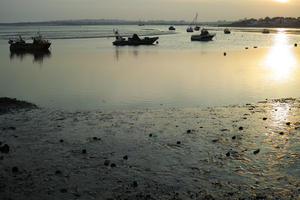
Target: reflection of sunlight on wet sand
(280,60)
(281,113)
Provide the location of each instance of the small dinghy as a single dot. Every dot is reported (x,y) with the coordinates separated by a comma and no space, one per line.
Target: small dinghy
(227,31)
(197,28)
(172,28)
(203,36)
(265,31)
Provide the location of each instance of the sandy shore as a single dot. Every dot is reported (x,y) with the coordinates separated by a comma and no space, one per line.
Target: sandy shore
(236,152)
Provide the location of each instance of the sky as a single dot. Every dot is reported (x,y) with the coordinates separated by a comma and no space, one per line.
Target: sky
(208,10)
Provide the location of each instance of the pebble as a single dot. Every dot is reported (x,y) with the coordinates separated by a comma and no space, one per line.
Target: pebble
(246,47)
(113,165)
(9,128)
(83,151)
(215,140)
(224,129)
(241,128)
(189,131)
(125,157)
(150,135)
(15,169)
(260,197)
(4,148)
(256,151)
(106,162)
(265,118)
(255,47)
(178,142)
(295,44)
(134,184)
(281,133)
(57,172)
(225,53)
(96,138)
(61,140)
(228,154)
(63,190)
(288,123)
(233,137)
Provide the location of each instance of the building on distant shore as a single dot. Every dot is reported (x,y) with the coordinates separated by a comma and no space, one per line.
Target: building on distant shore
(288,22)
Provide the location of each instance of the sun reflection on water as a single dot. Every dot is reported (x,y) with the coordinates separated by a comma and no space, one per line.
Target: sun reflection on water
(281,112)
(280,60)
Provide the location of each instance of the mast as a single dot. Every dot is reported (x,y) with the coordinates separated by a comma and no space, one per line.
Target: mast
(195,19)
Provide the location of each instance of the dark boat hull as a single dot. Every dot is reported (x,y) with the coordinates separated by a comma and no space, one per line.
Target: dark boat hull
(29,47)
(202,38)
(145,41)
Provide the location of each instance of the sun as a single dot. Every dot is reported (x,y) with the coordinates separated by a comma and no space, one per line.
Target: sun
(282,1)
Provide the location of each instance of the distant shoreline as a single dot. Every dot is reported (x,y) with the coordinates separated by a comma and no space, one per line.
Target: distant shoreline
(91,22)
(267,22)
(262,26)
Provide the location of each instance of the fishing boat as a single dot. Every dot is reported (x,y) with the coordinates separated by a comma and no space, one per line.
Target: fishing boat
(135,40)
(227,31)
(172,28)
(38,44)
(265,31)
(203,36)
(189,29)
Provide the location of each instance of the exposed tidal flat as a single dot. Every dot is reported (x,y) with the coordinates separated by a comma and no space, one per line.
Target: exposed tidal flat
(248,151)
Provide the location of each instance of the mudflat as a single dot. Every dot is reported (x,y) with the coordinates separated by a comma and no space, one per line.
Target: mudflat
(246,151)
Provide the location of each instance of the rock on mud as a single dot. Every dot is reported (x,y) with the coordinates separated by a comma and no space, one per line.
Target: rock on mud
(8,105)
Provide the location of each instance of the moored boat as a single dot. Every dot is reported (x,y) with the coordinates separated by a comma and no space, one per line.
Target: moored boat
(135,40)
(203,36)
(190,29)
(265,31)
(38,44)
(227,31)
(172,28)
(197,28)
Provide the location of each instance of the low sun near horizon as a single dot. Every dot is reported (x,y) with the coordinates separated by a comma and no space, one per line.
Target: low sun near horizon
(282,1)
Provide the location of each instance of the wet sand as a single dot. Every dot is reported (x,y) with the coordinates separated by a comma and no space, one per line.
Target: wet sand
(247,151)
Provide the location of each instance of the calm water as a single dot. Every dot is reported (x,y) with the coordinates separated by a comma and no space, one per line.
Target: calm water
(83,70)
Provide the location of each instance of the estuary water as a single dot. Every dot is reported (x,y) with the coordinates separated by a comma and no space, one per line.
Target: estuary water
(83,70)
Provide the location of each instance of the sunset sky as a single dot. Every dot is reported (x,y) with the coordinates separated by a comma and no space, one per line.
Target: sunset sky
(208,10)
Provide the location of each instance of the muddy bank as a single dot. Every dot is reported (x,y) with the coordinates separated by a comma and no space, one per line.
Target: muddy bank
(247,151)
(10,105)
